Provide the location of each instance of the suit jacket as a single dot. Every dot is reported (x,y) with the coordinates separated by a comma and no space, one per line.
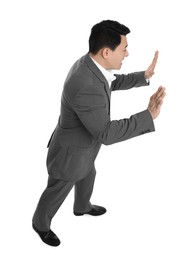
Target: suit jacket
(84,123)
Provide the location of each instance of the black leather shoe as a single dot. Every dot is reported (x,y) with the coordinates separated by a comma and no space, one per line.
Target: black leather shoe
(48,237)
(95,211)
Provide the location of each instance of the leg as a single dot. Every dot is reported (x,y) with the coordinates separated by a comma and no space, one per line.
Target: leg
(83,192)
(50,201)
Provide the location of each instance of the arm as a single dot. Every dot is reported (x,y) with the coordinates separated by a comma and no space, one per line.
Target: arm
(135,79)
(90,106)
(131,80)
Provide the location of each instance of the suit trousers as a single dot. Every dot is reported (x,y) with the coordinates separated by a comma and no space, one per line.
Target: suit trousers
(55,194)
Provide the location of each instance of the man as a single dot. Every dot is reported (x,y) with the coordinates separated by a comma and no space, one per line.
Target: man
(84,124)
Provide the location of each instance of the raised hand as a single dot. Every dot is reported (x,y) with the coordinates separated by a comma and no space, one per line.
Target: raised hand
(150,70)
(156,102)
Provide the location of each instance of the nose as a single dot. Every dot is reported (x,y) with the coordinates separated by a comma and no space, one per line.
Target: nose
(127,54)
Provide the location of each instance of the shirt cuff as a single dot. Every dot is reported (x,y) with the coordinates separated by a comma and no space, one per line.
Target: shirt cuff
(148,81)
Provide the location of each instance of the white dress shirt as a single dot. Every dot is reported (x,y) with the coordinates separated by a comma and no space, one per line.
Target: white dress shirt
(108,74)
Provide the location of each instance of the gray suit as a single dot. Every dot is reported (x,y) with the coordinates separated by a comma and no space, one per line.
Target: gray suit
(83,126)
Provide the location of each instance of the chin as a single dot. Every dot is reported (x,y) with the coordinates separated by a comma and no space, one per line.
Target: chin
(119,67)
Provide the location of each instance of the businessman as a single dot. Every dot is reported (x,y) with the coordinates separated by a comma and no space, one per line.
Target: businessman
(84,124)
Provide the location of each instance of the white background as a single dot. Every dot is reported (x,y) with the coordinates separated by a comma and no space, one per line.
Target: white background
(139,181)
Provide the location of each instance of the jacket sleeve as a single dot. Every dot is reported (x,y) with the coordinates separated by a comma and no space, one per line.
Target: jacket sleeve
(90,106)
(123,82)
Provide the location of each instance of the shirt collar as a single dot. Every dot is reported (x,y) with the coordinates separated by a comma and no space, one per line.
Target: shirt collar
(108,74)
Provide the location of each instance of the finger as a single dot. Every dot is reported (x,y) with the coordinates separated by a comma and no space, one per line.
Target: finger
(154,62)
(158,91)
(161,90)
(155,58)
(154,96)
(157,96)
(160,100)
(160,95)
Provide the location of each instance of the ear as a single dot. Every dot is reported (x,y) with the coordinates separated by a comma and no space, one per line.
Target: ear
(105,53)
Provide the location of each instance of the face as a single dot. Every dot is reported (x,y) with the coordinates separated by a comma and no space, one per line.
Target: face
(115,58)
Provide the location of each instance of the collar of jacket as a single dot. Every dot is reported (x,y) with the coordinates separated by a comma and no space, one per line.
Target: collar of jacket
(92,66)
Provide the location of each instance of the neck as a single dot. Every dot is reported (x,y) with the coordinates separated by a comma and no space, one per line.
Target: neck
(99,59)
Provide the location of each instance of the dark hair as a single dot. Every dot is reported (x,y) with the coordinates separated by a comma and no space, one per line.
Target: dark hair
(106,34)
